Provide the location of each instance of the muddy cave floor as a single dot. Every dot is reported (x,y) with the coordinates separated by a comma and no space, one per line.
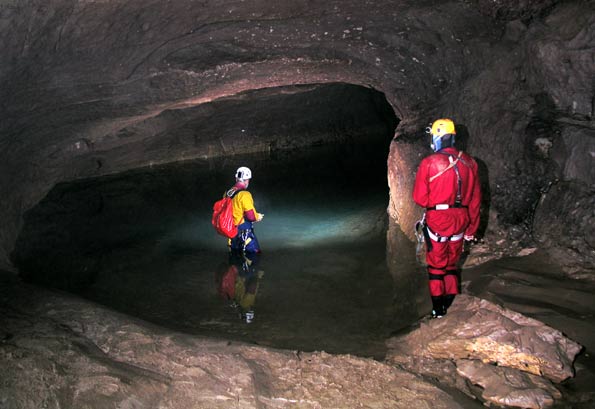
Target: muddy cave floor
(534,286)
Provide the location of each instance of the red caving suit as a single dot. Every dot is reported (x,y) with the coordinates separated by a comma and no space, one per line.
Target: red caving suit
(443,189)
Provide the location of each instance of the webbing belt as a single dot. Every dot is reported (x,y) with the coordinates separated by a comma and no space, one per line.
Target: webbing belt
(446,206)
(433,276)
(442,239)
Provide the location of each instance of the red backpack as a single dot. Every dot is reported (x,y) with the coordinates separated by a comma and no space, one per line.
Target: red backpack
(227,282)
(222,219)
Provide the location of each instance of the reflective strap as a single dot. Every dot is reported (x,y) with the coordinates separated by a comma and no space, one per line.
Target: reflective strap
(457,237)
(441,239)
(444,206)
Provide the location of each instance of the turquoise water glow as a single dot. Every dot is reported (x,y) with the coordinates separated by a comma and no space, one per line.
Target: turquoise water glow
(142,243)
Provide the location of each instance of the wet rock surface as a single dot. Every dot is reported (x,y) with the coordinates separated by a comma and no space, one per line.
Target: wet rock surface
(478,329)
(536,287)
(57,351)
(509,387)
(475,335)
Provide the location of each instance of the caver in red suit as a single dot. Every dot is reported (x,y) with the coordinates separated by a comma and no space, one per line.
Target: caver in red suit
(447,186)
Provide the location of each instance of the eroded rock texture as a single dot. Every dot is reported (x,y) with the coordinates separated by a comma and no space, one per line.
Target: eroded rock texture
(476,334)
(96,87)
(527,118)
(507,387)
(64,353)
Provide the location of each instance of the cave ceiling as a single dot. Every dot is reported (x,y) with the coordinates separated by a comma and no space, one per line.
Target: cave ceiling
(98,87)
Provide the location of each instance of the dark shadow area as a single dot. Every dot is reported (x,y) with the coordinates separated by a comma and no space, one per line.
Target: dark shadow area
(274,120)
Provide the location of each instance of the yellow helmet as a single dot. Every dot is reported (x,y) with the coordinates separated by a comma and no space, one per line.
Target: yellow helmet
(440,128)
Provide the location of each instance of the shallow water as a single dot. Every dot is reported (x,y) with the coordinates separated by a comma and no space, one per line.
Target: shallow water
(142,243)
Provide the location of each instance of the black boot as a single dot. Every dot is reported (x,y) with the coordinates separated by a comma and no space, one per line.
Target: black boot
(438,309)
(448,299)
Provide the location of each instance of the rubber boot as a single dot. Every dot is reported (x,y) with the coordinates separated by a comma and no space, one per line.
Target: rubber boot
(448,299)
(438,309)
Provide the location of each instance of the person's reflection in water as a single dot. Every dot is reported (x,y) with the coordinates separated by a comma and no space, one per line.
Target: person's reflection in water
(238,282)
(246,283)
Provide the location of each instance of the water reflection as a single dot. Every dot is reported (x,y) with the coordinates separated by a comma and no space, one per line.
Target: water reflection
(142,243)
(238,282)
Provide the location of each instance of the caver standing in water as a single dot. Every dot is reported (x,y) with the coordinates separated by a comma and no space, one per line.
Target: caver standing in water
(244,248)
(447,186)
(244,214)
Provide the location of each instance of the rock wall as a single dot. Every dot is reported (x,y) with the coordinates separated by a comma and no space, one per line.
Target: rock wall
(96,87)
(527,117)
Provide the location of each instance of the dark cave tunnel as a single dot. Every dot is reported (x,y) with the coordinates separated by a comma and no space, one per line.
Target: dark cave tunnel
(141,241)
(123,122)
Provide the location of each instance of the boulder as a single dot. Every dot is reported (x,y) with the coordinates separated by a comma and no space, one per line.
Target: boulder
(478,329)
(509,387)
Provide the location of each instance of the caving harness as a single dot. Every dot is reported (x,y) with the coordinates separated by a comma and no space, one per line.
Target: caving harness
(244,240)
(245,236)
(422,231)
(422,237)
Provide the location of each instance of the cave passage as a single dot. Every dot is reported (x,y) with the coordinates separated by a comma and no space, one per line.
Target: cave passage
(141,242)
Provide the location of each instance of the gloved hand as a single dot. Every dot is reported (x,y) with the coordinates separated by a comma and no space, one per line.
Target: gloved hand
(469,237)
(259,216)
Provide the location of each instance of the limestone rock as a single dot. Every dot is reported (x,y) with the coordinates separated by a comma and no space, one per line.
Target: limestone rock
(576,202)
(514,9)
(509,387)
(60,352)
(562,53)
(478,329)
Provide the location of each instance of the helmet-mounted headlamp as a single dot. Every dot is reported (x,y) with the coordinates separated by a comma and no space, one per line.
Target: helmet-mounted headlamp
(438,129)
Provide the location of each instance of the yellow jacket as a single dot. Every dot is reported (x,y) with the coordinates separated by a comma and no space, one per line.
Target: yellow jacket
(242,202)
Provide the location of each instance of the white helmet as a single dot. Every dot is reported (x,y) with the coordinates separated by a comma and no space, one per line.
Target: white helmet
(243,173)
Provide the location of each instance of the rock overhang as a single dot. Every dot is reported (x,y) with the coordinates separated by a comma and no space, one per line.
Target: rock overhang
(77,73)
(82,71)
